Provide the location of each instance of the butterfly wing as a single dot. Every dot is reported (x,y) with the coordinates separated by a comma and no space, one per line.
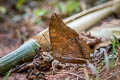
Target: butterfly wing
(63,39)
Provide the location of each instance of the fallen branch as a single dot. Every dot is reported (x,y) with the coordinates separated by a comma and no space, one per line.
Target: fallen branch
(24,53)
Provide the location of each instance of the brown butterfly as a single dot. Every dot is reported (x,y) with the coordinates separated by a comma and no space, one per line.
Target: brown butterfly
(66,45)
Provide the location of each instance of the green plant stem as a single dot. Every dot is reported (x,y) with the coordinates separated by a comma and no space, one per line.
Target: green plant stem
(20,55)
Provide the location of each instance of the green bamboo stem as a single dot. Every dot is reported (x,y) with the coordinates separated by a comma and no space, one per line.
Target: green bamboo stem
(24,53)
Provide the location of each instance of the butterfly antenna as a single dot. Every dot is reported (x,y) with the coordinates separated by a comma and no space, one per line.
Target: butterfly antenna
(46,40)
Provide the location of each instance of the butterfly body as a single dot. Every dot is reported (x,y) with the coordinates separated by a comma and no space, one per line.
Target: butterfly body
(65,42)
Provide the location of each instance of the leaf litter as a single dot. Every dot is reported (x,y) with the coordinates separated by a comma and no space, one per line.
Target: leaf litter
(38,69)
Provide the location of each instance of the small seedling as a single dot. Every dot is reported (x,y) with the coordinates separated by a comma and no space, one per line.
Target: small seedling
(106,60)
(94,70)
(7,75)
(115,49)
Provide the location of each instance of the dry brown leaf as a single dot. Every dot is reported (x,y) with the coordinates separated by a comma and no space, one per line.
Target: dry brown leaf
(106,33)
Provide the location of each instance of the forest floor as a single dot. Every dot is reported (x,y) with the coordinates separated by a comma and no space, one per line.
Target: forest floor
(13,34)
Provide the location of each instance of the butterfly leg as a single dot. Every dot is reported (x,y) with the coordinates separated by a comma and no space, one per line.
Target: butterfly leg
(55,66)
(72,60)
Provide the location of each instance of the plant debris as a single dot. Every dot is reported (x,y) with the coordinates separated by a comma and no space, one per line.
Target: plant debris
(103,60)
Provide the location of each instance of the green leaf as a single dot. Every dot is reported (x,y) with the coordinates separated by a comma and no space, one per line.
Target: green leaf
(72,6)
(2,9)
(106,60)
(115,46)
(119,55)
(113,51)
(116,41)
(20,3)
(7,75)
(40,12)
(61,7)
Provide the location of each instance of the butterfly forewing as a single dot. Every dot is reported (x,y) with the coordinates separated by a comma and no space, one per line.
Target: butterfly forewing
(64,40)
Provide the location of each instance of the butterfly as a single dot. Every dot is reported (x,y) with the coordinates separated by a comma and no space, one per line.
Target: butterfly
(67,47)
